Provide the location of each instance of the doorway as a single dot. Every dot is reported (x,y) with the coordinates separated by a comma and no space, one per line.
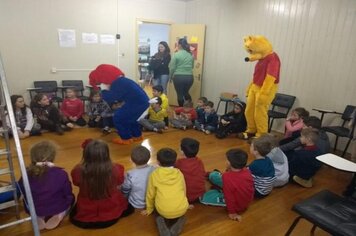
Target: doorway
(149,34)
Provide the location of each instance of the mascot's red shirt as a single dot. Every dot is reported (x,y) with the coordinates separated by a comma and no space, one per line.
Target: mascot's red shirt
(268,65)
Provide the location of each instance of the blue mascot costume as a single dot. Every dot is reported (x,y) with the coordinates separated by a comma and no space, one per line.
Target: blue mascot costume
(116,88)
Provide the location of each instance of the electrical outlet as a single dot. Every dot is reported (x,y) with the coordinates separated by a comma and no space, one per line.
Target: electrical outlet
(53,70)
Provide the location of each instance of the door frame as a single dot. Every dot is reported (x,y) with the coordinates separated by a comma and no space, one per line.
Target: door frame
(148,21)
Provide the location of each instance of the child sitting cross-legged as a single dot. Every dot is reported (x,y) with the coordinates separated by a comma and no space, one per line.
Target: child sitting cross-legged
(183,117)
(262,168)
(166,194)
(232,122)
(50,186)
(208,122)
(99,113)
(135,183)
(157,119)
(192,168)
(100,203)
(303,164)
(157,91)
(236,183)
(73,108)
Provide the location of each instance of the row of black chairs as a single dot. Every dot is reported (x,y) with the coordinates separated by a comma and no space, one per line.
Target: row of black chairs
(51,88)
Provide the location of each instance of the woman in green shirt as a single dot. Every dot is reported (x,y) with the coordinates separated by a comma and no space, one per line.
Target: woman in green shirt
(181,71)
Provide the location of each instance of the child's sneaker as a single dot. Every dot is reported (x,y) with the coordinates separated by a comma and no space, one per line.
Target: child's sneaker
(207,132)
(183,128)
(106,130)
(159,131)
(306,183)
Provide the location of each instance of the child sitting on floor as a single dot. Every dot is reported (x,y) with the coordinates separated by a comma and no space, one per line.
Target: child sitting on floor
(99,113)
(100,203)
(236,184)
(157,91)
(303,164)
(73,108)
(50,186)
(232,122)
(183,117)
(262,168)
(166,194)
(157,117)
(192,168)
(135,183)
(200,106)
(208,123)
(294,125)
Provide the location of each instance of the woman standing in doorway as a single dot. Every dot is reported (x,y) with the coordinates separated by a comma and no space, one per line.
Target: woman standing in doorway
(181,71)
(159,65)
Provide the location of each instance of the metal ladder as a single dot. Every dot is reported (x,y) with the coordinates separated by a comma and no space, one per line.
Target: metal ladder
(9,171)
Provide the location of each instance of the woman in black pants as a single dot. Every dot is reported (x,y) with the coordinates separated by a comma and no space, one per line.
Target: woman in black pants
(181,70)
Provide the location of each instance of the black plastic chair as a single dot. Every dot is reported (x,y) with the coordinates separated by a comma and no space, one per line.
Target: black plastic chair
(281,105)
(227,98)
(48,87)
(77,85)
(342,130)
(328,211)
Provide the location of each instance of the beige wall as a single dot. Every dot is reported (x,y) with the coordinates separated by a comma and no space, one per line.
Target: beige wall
(29,39)
(314,39)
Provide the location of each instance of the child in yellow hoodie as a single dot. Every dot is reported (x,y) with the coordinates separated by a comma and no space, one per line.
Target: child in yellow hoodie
(166,193)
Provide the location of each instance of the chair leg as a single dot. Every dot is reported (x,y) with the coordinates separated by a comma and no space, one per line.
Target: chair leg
(270,126)
(291,228)
(347,146)
(336,139)
(312,230)
(217,108)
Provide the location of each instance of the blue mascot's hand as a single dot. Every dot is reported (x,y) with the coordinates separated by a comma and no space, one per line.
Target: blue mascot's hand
(104,86)
(153,100)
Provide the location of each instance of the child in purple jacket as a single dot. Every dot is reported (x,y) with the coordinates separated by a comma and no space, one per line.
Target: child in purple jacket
(50,186)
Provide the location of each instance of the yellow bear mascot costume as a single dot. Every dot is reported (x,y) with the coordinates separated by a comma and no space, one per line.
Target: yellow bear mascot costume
(264,85)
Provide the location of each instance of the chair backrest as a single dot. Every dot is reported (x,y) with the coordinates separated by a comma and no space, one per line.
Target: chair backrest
(283,100)
(47,86)
(346,115)
(76,84)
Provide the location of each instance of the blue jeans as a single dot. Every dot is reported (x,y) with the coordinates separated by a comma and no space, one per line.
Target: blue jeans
(161,80)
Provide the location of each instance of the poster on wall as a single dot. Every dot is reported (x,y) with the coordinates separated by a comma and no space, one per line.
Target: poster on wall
(89,38)
(107,39)
(66,38)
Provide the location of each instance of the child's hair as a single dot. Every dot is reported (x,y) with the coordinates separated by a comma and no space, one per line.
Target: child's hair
(302,113)
(158,101)
(13,102)
(210,104)
(36,99)
(140,155)
(310,134)
(241,104)
(158,88)
(190,147)
(166,157)
(312,121)
(262,145)
(96,169)
(272,139)
(94,93)
(203,99)
(44,152)
(188,104)
(237,158)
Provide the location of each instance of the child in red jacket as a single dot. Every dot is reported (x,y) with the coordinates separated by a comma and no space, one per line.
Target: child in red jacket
(192,168)
(236,183)
(100,203)
(73,108)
